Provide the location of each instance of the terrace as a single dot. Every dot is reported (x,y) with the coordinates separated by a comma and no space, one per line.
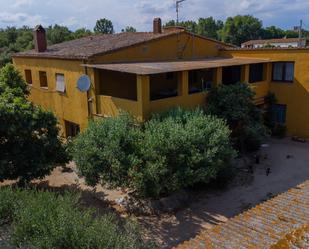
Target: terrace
(145,88)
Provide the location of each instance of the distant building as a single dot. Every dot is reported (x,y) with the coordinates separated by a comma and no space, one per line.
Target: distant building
(282,43)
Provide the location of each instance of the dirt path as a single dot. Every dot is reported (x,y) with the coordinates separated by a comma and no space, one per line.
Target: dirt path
(289,166)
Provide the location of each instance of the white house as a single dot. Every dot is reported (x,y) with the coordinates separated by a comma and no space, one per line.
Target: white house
(282,43)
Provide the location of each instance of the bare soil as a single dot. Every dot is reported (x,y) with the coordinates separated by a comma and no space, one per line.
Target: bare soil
(284,164)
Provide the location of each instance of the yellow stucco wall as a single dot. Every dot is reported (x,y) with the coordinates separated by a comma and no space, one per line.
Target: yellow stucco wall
(183,46)
(295,95)
(71,105)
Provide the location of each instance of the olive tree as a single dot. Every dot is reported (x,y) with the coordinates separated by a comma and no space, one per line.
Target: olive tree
(29,142)
(171,151)
(234,103)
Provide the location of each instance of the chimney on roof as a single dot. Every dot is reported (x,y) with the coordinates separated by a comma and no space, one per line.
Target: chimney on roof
(40,42)
(157,26)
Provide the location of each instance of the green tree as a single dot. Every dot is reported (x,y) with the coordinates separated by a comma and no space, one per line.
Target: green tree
(48,220)
(272,32)
(80,33)
(29,142)
(171,23)
(129,29)
(104,26)
(209,27)
(234,103)
(189,25)
(169,152)
(57,34)
(240,29)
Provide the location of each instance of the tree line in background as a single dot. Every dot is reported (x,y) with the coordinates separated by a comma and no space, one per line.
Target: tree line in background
(237,29)
(234,30)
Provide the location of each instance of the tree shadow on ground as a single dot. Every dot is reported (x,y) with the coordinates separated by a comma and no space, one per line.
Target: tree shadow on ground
(88,198)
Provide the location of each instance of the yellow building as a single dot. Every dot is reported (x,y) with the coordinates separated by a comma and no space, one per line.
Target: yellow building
(148,72)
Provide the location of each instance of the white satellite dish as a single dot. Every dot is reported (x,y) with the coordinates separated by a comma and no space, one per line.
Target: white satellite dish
(83,83)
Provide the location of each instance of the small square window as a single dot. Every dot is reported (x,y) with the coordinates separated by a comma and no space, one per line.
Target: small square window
(28,76)
(256,73)
(60,83)
(71,129)
(283,71)
(43,79)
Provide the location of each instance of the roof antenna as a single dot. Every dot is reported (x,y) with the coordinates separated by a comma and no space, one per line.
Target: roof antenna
(178,2)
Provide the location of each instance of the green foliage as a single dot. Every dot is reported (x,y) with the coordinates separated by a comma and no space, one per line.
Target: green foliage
(80,33)
(170,152)
(14,39)
(209,27)
(234,103)
(44,220)
(29,143)
(240,29)
(104,26)
(129,29)
(11,81)
(57,34)
(273,32)
(277,130)
(105,152)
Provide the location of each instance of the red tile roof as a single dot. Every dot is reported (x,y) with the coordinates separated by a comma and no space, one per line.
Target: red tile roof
(90,46)
(282,40)
(261,227)
(96,44)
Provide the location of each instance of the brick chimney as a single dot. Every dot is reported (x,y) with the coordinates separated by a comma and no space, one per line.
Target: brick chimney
(40,42)
(157,26)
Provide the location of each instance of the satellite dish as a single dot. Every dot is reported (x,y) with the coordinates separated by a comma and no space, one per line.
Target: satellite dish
(83,83)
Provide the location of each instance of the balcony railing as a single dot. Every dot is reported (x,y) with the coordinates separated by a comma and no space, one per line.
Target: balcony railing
(110,106)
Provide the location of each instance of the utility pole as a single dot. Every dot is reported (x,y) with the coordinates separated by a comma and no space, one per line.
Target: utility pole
(177,10)
(300,29)
(300,33)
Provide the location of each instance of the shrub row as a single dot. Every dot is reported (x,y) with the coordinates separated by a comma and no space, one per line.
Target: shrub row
(171,151)
(50,221)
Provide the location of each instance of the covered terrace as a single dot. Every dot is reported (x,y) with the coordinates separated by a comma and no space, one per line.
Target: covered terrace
(145,87)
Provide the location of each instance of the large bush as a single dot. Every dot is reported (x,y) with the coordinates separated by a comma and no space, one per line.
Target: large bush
(171,151)
(29,142)
(234,103)
(44,220)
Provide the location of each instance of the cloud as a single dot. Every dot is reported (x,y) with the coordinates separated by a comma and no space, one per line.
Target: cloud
(19,19)
(139,13)
(22,3)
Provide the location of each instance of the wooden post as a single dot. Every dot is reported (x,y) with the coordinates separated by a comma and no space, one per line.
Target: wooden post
(245,71)
(183,83)
(143,96)
(218,77)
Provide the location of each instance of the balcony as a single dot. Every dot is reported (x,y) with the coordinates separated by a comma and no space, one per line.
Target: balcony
(111,106)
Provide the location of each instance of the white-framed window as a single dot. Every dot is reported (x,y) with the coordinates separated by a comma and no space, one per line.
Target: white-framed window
(60,83)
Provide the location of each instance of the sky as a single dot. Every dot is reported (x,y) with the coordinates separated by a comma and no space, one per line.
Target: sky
(140,13)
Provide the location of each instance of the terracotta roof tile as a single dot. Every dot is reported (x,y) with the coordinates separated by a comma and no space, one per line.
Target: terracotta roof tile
(282,40)
(96,44)
(268,225)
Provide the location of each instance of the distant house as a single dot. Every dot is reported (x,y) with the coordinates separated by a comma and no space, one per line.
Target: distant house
(282,43)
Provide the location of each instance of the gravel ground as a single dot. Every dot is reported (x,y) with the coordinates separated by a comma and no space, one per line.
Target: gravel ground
(4,237)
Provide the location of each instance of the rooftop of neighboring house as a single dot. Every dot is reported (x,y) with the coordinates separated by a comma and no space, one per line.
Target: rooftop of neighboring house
(267,41)
(90,46)
(267,225)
